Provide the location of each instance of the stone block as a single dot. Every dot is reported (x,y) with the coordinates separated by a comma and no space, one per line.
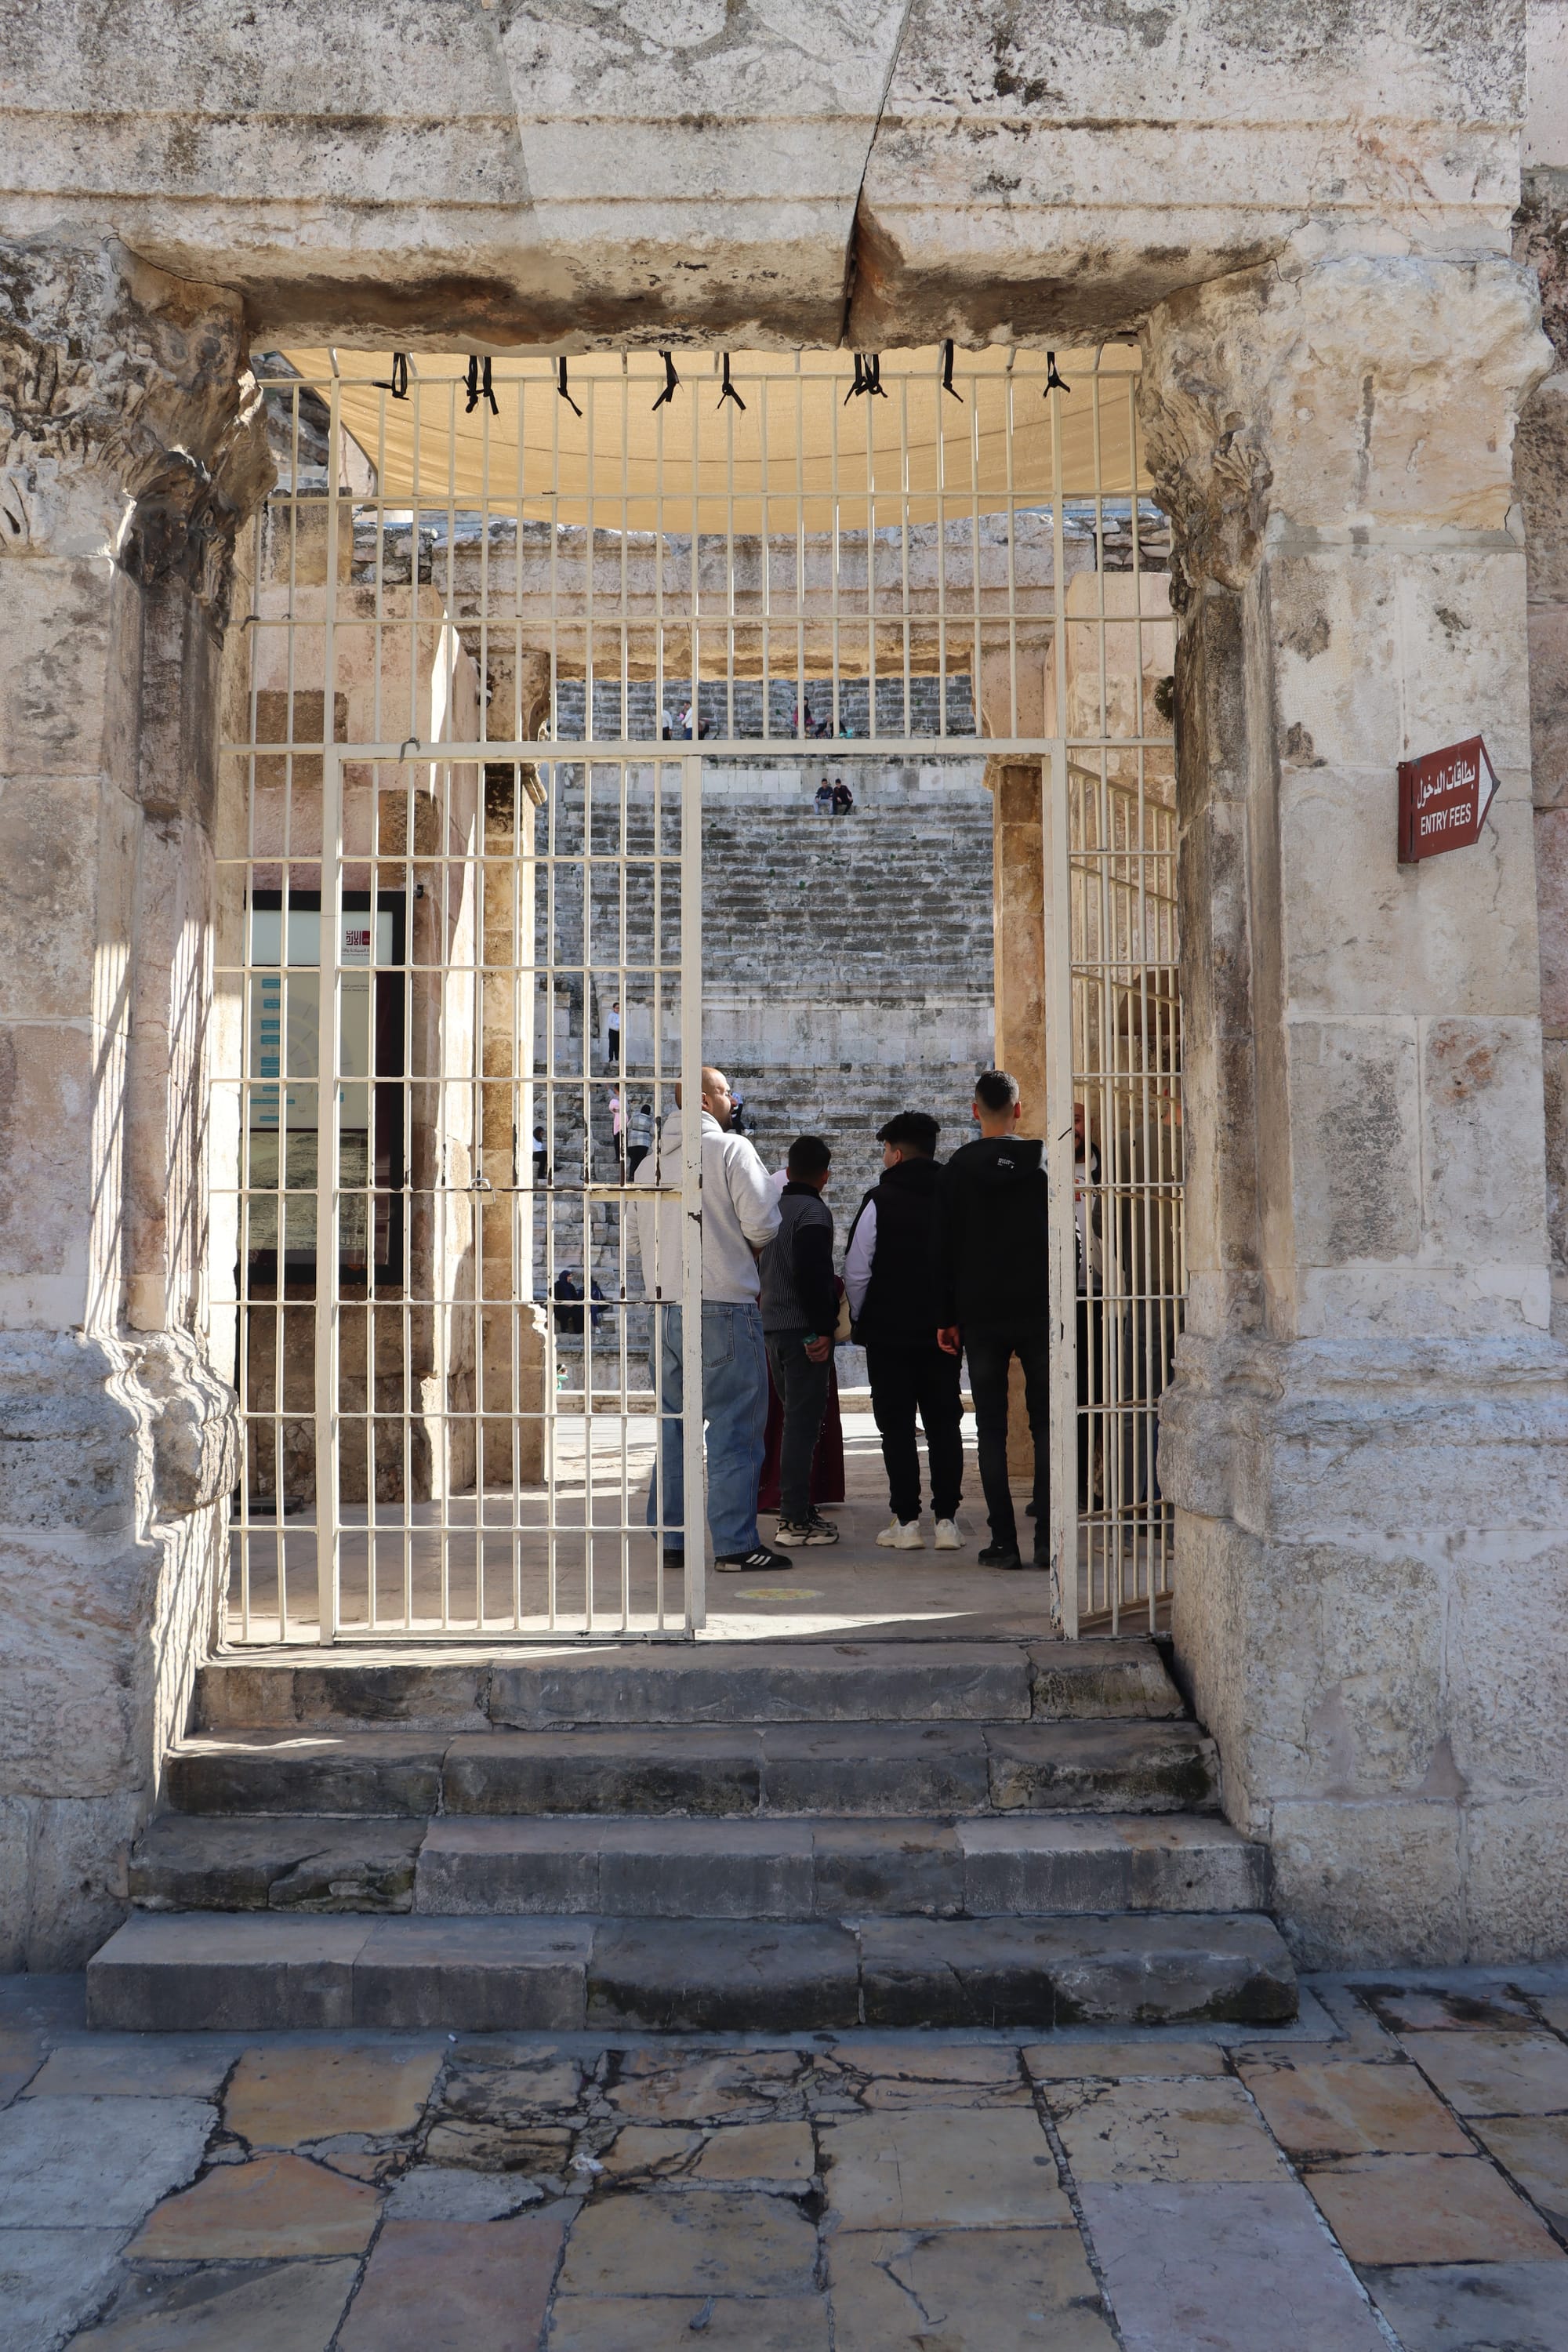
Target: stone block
(1355,1137)
(1074,1681)
(474,1976)
(48,897)
(874,1769)
(664,1977)
(1481,1078)
(289,2306)
(1029,2289)
(82,2163)
(432,2284)
(1368,1881)
(1046,1864)
(237,1695)
(700,2243)
(892,2171)
(1461,624)
(890,2072)
(835,1682)
(1337,661)
(211,1972)
(230,1863)
(1356,916)
(1427,2209)
(1433,2306)
(870,1866)
(1509,1610)
(1102,1768)
(644,1771)
(273,2207)
(1245,2263)
(475,1863)
(1548,639)
(351,1772)
(664,2084)
(1518,1893)
(449,2192)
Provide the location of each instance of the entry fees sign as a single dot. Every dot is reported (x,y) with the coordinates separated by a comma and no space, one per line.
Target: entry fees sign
(1443,800)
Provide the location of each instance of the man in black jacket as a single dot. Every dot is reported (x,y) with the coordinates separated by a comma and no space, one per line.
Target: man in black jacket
(993,1249)
(890,1272)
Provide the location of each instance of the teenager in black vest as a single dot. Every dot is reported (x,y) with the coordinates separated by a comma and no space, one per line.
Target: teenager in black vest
(889,1273)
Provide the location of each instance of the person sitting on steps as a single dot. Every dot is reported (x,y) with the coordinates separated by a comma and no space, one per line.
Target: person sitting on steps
(993,1250)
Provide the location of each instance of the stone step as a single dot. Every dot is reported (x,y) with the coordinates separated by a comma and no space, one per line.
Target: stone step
(837,1681)
(196,1971)
(715,1869)
(743,1769)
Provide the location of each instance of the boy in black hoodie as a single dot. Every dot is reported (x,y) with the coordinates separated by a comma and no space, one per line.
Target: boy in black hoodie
(993,1249)
(890,1272)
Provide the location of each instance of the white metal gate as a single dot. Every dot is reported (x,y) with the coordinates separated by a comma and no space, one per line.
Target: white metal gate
(501,611)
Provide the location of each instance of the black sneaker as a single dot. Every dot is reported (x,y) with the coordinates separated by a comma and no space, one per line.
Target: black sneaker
(1000,1555)
(674,1559)
(761,1562)
(813,1529)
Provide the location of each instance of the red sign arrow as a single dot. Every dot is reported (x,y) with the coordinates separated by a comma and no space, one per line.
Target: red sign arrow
(1444,797)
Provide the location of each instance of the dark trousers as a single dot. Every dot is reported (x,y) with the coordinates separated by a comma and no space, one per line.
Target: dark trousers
(803,1393)
(989,1354)
(904,1381)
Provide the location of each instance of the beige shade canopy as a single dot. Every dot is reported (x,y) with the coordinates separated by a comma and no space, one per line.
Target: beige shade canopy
(813,459)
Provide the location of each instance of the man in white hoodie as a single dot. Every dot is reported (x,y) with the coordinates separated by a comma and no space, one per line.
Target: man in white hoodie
(740,1217)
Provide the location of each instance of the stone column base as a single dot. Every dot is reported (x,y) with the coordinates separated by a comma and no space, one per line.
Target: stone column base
(1372,1615)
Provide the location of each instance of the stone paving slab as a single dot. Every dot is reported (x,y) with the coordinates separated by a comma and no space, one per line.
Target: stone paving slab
(89,2164)
(1429,2208)
(848,2185)
(239,2307)
(967,2291)
(1490,2073)
(1474,2306)
(52,2280)
(458,2287)
(1224,2266)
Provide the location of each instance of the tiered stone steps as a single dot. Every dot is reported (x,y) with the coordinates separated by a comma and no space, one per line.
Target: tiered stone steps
(748,1835)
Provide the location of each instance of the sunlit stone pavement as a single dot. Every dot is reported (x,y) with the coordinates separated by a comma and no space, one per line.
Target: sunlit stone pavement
(1393,2171)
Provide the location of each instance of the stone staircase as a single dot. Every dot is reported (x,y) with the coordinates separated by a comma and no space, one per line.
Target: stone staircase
(894,1832)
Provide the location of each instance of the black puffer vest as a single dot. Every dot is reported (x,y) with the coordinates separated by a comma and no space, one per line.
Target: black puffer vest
(899,1305)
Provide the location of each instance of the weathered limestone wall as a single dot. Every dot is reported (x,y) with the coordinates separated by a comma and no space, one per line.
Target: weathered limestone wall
(131,449)
(1365,1436)
(724,171)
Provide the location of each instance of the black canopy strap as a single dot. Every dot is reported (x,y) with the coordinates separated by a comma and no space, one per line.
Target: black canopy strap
(868,377)
(561,385)
(727,390)
(671,381)
(947,383)
(1055,382)
(479,387)
(398,387)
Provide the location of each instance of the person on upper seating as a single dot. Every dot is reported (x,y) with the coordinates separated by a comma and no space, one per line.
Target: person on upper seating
(993,1249)
(890,1272)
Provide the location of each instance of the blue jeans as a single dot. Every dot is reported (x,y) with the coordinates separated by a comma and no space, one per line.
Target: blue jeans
(735,1415)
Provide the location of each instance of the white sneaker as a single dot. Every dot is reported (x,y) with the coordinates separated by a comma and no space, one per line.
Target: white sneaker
(947,1535)
(902,1535)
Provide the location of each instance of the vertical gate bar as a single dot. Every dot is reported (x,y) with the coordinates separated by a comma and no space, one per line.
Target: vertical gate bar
(1058,1094)
(696,1513)
(329,930)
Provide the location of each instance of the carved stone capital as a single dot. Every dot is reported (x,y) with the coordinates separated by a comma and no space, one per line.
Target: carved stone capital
(131,425)
(1351,395)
